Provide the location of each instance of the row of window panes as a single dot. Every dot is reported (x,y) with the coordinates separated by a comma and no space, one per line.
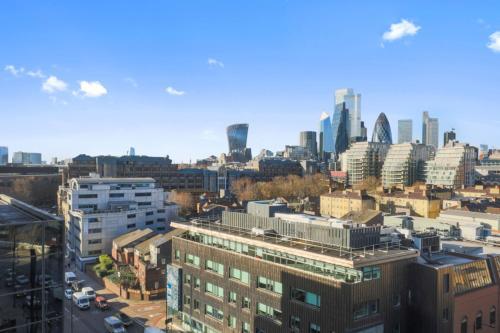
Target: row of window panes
(214,267)
(371,273)
(306,297)
(269,311)
(268,284)
(366,309)
(295,325)
(214,290)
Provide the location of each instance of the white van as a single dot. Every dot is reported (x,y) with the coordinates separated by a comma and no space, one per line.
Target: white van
(114,325)
(89,292)
(81,301)
(69,277)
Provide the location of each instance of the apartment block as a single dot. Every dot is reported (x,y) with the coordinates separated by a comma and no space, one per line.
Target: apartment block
(363,160)
(339,203)
(413,203)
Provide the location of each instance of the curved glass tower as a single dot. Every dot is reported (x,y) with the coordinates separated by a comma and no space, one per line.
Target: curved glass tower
(237,137)
(382,130)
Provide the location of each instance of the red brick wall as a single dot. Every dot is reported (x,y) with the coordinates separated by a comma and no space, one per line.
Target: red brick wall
(469,304)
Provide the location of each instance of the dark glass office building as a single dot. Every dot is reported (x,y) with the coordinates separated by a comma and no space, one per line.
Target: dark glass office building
(31,268)
(237,137)
(382,130)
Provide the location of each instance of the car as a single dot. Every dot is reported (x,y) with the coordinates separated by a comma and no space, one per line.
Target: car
(81,301)
(114,325)
(125,319)
(101,303)
(22,279)
(89,292)
(68,293)
(69,277)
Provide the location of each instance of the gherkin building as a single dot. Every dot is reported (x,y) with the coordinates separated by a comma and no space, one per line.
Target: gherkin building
(382,130)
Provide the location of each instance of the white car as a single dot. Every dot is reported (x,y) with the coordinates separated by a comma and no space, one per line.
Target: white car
(68,293)
(81,301)
(89,292)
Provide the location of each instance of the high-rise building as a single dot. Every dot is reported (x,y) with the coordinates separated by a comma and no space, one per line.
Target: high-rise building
(430,130)
(32,267)
(97,210)
(237,140)
(405,164)
(405,130)
(363,160)
(4,155)
(325,136)
(20,157)
(449,136)
(453,166)
(346,98)
(382,130)
(131,151)
(341,140)
(308,141)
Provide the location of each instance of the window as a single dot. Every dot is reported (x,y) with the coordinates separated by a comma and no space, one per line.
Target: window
(146,203)
(94,241)
(90,206)
(214,267)
(87,196)
(245,303)
(479,320)
(197,283)
(306,297)
(493,316)
(295,323)
(314,328)
(245,327)
(160,211)
(187,300)
(95,231)
(94,253)
(196,304)
(396,300)
(371,273)
(161,220)
(214,312)
(193,260)
(232,298)
(149,222)
(149,213)
(214,290)
(463,325)
(240,275)
(117,195)
(268,311)
(366,309)
(231,321)
(268,284)
(143,194)
(160,228)
(187,278)
(131,216)
(130,226)
(177,254)
(93,219)
(446,283)
(446,314)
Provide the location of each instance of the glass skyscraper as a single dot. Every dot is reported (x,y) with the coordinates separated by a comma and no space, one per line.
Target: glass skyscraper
(430,130)
(325,136)
(341,137)
(308,141)
(405,131)
(237,137)
(346,98)
(4,155)
(382,130)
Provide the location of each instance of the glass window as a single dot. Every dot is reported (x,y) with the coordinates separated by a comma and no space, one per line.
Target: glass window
(193,260)
(446,314)
(117,195)
(232,298)
(479,320)
(396,300)
(314,328)
(306,297)
(268,311)
(196,304)
(493,316)
(295,323)
(240,275)
(371,273)
(268,284)
(214,267)
(177,254)
(214,290)
(446,283)
(214,312)
(245,327)
(463,325)
(87,196)
(245,303)
(231,321)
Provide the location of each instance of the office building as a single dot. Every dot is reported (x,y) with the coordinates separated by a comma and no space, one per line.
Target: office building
(341,138)
(308,141)
(237,140)
(346,98)
(297,153)
(224,278)
(449,136)
(97,210)
(4,155)
(363,160)
(405,130)
(271,167)
(325,137)
(405,164)
(430,130)
(32,268)
(382,130)
(131,151)
(20,157)
(453,166)
(340,203)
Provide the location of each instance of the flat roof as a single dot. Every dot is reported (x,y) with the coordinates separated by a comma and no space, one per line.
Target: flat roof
(466,213)
(94,180)
(445,259)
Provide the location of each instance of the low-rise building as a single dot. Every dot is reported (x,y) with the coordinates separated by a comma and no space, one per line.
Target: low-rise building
(339,203)
(414,203)
(123,246)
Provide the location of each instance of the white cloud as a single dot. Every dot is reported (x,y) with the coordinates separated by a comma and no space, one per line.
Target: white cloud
(215,63)
(400,30)
(131,81)
(13,70)
(172,91)
(494,43)
(37,74)
(92,89)
(53,84)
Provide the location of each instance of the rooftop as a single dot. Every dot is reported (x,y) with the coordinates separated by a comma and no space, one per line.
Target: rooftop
(157,240)
(99,180)
(463,213)
(16,211)
(124,240)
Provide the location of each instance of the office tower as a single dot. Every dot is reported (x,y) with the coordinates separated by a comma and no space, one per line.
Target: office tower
(221,280)
(353,105)
(430,130)
(364,133)
(297,153)
(363,160)
(449,136)
(483,151)
(97,210)
(405,164)
(382,130)
(342,138)
(20,157)
(237,139)
(325,136)
(453,166)
(405,130)
(131,152)
(308,141)
(4,155)
(32,268)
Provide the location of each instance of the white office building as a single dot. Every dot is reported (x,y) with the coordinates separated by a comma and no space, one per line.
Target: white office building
(97,210)
(353,104)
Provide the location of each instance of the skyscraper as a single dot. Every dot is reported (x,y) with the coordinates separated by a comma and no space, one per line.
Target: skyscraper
(325,136)
(341,140)
(26,158)
(449,136)
(131,152)
(4,155)
(237,139)
(308,141)
(430,130)
(382,130)
(405,130)
(353,105)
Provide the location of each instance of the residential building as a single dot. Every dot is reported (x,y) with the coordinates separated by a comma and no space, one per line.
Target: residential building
(339,203)
(326,146)
(20,157)
(405,164)
(363,160)
(97,210)
(453,166)
(308,141)
(123,246)
(411,202)
(405,130)
(346,99)
(449,136)
(237,139)
(226,279)
(430,130)
(32,268)
(4,155)
(382,130)
(268,168)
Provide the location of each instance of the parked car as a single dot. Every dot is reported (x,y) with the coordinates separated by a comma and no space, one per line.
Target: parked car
(22,279)
(89,292)
(125,319)
(68,293)
(81,301)
(114,325)
(69,277)
(101,303)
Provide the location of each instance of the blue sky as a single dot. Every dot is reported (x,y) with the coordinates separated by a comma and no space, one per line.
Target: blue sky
(92,76)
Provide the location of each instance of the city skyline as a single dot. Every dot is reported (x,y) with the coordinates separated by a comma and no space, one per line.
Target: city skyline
(178,84)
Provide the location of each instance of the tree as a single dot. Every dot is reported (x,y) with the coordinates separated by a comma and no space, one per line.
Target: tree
(184,200)
(370,184)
